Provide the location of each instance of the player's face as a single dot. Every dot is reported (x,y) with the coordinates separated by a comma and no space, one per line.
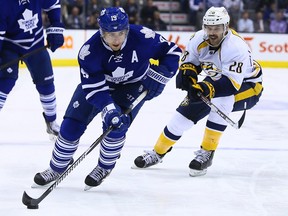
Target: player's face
(214,33)
(115,39)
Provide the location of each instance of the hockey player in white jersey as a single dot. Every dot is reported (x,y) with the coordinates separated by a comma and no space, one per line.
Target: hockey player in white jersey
(232,78)
(21,33)
(115,69)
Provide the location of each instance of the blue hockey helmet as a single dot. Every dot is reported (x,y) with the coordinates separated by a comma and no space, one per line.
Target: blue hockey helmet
(113,19)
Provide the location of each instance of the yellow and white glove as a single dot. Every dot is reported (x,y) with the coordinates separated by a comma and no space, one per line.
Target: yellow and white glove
(186,76)
(205,88)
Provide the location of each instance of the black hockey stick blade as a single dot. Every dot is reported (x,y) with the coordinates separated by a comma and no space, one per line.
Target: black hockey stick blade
(241,120)
(32,203)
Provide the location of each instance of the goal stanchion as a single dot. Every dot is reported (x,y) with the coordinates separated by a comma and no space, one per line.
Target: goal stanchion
(32,203)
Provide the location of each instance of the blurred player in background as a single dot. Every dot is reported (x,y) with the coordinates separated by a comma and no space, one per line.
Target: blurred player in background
(231,79)
(115,69)
(21,32)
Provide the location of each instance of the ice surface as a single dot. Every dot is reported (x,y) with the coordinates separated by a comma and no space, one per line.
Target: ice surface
(249,176)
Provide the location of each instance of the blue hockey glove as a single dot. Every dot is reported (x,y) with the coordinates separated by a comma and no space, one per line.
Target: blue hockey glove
(155,81)
(186,76)
(112,116)
(205,88)
(55,38)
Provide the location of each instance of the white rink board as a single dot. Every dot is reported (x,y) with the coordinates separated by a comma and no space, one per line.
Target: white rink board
(271,49)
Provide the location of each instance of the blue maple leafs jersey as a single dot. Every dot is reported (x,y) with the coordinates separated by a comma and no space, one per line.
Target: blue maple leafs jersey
(21,26)
(103,70)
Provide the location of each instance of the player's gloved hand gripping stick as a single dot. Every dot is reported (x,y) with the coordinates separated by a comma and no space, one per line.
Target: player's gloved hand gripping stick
(187,80)
(32,203)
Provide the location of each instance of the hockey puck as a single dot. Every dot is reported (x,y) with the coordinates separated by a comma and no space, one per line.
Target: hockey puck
(32,206)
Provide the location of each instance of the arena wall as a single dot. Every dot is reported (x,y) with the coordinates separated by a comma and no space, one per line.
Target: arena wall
(269,49)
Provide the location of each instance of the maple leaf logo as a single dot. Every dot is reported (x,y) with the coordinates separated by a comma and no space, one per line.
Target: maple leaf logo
(119,75)
(29,22)
(84,51)
(148,32)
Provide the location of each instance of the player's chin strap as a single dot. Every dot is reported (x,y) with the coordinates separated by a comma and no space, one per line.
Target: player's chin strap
(15,61)
(33,203)
(214,108)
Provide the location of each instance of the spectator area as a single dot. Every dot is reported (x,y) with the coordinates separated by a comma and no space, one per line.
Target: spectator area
(180,15)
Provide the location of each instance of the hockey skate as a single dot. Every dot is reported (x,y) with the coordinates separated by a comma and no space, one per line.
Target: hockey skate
(148,159)
(198,166)
(52,128)
(96,177)
(45,178)
(48,176)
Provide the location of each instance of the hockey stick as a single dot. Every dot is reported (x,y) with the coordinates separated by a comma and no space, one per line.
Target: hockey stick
(32,203)
(223,115)
(15,61)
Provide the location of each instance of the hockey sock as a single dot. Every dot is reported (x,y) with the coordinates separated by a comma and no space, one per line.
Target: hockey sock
(165,141)
(110,150)
(211,139)
(3,98)
(48,100)
(172,132)
(62,153)
(66,143)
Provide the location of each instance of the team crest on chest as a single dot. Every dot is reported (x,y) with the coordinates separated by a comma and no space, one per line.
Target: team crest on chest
(211,70)
(119,75)
(29,22)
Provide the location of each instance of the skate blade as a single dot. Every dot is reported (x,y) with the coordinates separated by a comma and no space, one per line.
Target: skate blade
(87,188)
(195,173)
(34,185)
(135,167)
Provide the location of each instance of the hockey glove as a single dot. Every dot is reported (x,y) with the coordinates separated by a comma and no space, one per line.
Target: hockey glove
(55,38)
(112,116)
(155,81)
(186,76)
(205,88)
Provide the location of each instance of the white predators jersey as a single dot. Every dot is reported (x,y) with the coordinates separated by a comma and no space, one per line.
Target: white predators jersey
(232,59)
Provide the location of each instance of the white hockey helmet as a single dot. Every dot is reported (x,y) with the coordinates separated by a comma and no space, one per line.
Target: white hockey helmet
(216,16)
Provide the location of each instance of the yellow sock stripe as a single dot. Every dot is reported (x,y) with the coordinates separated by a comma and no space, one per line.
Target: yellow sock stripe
(211,139)
(163,144)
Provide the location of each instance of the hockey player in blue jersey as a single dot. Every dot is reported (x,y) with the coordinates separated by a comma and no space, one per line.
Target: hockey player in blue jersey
(115,69)
(21,32)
